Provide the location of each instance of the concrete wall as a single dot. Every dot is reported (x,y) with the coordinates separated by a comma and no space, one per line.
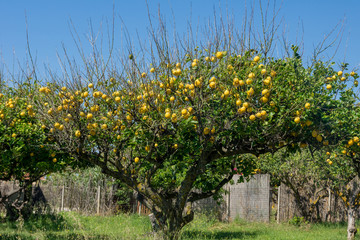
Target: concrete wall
(249,200)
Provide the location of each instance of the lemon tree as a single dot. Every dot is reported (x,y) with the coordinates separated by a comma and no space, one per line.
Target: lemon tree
(26,152)
(175,131)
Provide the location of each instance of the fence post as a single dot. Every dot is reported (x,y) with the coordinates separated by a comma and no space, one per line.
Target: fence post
(62,198)
(228,202)
(98,200)
(139,207)
(278,206)
(329,209)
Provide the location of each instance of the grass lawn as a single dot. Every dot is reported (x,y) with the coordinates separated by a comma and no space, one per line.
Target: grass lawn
(74,226)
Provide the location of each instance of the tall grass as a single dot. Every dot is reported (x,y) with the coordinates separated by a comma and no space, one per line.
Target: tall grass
(71,225)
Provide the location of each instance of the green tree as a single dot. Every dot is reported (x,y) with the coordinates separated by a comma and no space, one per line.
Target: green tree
(26,152)
(175,133)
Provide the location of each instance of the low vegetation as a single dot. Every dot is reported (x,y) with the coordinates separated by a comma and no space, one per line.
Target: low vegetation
(70,225)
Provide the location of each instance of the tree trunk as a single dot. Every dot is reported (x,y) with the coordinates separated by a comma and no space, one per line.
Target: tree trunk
(171,223)
(351,229)
(19,203)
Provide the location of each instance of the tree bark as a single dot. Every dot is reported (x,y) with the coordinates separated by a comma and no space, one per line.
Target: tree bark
(351,229)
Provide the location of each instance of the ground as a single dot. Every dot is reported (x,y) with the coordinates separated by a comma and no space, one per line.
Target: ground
(75,226)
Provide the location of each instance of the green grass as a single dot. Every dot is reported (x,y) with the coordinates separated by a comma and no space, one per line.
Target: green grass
(74,226)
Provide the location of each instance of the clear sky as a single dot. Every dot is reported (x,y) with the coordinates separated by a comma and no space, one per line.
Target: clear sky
(48,22)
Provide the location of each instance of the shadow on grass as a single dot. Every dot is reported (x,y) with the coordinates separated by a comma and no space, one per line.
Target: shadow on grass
(195,234)
(76,236)
(54,236)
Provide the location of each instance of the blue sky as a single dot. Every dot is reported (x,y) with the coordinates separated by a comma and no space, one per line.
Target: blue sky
(48,22)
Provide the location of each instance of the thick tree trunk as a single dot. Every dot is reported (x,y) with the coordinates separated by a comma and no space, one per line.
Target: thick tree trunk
(171,223)
(351,229)
(19,203)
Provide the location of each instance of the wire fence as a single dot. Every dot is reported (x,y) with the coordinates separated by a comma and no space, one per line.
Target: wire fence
(250,201)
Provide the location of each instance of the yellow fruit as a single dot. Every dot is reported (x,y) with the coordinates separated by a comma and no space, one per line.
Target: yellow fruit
(197,83)
(264,99)
(256,59)
(251,75)
(206,131)
(57,125)
(263,71)
(147,148)
(319,138)
(136,160)
(250,92)
(356,139)
(307,105)
(77,133)
(328,87)
(54,160)
(246,105)
(143,74)
(61,127)
(350,142)
(265,91)
(89,116)
(330,162)
(212,85)
(175,146)
(129,117)
(226,93)
(167,115)
(184,111)
(238,102)
(14,135)
(241,110)
(303,145)
(90,86)
(249,81)
(340,73)
(176,72)
(212,130)
(297,120)
(219,55)
(314,133)
(104,126)
(152,70)
(252,117)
